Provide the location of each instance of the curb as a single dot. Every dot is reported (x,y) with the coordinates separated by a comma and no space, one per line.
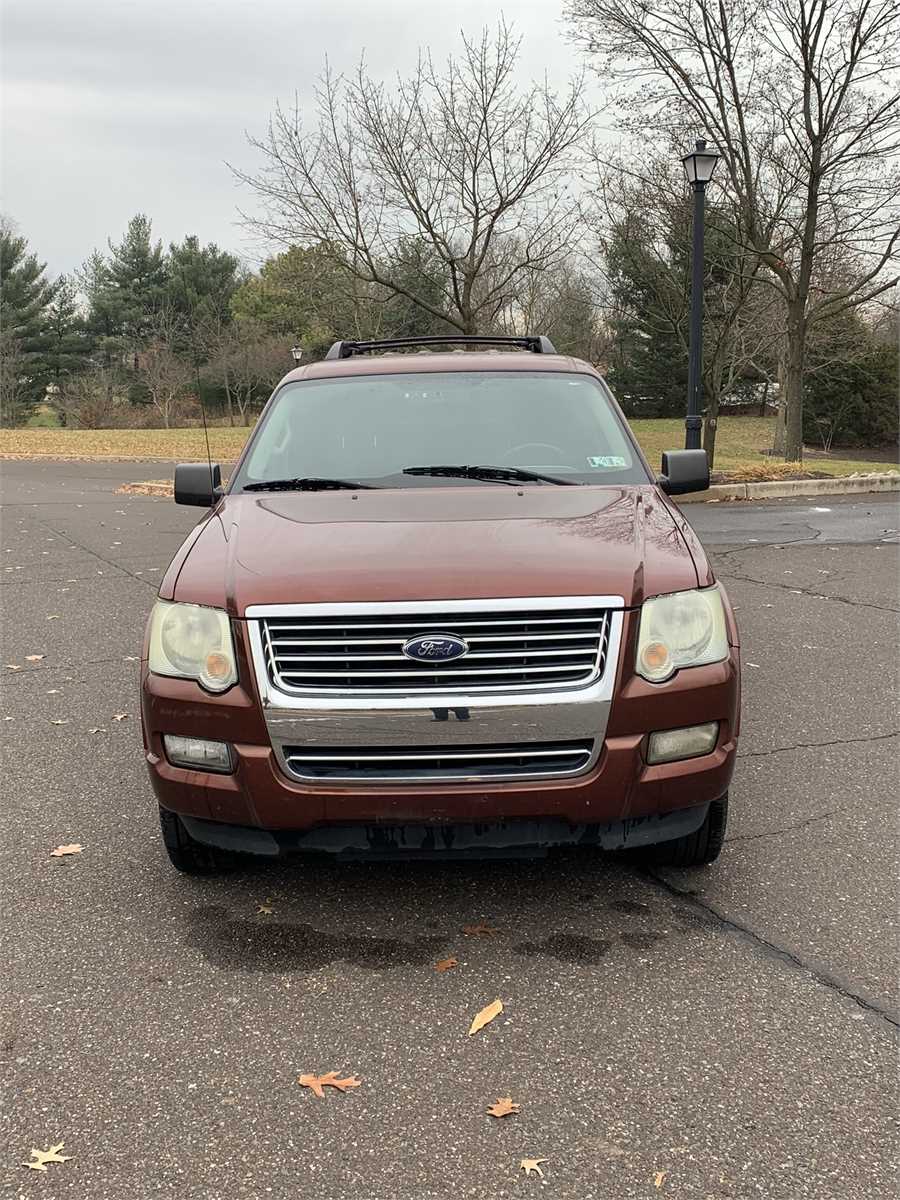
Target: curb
(777,489)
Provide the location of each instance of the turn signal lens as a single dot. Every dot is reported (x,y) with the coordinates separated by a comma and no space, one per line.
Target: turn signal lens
(218,667)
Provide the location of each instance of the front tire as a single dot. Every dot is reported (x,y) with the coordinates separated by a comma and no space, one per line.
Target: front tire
(185,853)
(695,849)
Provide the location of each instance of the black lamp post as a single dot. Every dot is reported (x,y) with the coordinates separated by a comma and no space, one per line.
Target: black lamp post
(698,167)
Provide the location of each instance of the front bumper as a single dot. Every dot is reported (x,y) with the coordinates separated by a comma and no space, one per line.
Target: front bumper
(619,786)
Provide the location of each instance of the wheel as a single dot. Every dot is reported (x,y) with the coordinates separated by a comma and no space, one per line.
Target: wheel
(694,849)
(188,855)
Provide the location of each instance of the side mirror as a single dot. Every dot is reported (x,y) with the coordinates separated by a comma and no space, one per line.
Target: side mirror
(198,483)
(684,471)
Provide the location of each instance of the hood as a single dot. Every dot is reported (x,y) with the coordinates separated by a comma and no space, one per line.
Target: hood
(433,543)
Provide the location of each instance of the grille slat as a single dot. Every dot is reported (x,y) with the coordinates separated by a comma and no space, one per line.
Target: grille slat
(424,764)
(510,649)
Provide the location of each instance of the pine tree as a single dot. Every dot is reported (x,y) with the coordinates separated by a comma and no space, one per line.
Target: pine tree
(25,294)
(67,341)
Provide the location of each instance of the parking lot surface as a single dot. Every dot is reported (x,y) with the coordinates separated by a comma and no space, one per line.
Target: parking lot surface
(713,1034)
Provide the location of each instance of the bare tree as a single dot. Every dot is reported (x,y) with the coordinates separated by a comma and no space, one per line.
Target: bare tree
(456,156)
(92,399)
(163,372)
(801,99)
(248,362)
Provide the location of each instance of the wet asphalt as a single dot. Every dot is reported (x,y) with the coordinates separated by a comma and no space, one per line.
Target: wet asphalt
(713,1034)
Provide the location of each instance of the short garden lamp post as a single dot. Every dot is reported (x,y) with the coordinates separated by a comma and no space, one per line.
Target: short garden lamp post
(698,167)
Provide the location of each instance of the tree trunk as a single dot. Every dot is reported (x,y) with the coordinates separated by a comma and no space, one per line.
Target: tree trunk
(793,382)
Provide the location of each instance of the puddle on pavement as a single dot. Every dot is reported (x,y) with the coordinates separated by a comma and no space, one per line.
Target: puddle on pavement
(242,945)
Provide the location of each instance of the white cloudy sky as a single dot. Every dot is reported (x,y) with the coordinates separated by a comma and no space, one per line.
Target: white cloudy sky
(112,107)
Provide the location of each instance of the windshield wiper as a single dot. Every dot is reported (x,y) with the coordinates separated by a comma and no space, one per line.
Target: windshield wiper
(511,475)
(311,483)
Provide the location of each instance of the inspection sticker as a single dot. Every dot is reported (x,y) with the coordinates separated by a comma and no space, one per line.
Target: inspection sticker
(607,460)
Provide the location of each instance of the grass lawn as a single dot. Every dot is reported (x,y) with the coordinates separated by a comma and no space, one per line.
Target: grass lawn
(739,443)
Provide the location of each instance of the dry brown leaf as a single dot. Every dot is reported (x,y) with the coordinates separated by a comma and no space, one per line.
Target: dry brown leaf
(504,1107)
(532,1166)
(42,1157)
(34,657)
(487,1014)
(659,1178)
(479,930)
(316,1083)
(61,851)
(119,716)
(97,729)
(265,908)
(446,964)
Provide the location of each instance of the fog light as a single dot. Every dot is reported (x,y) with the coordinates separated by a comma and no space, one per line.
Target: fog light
(668,745)
(198,753)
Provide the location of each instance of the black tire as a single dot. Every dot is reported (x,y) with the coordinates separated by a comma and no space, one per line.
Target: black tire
(694,849)
(185,853)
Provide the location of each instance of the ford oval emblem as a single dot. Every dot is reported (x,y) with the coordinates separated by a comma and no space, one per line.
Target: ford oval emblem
(435,647)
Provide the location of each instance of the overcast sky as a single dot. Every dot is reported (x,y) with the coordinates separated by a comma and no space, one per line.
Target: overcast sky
(112,107)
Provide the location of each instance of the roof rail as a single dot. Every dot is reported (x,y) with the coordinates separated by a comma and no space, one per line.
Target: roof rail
(537,345)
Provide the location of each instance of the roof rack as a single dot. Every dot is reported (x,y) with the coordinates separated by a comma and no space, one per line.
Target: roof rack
(537,345)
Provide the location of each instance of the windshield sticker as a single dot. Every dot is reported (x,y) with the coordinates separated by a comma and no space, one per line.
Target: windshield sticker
(607,461)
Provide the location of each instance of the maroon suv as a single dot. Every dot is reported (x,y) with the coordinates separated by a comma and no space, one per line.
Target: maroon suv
(443,605)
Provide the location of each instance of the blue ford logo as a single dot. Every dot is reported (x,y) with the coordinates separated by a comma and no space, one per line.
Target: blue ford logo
(435,647)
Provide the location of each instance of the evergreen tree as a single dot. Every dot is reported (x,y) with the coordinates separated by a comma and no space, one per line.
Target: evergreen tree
(201,281)
(67,340)
(305,296)
(134,282)
(25,294)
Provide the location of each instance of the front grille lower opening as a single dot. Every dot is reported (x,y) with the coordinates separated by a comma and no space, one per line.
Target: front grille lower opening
(438,763)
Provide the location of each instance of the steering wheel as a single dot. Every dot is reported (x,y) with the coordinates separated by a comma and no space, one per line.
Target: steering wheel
(514,450)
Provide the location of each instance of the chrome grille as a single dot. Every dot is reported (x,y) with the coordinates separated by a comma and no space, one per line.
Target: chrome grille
(359,652)
(422,764)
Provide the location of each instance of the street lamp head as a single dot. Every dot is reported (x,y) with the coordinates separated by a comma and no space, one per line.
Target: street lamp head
(699,166)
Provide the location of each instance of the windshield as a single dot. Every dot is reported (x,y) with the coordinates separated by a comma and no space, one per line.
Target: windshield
(371,427)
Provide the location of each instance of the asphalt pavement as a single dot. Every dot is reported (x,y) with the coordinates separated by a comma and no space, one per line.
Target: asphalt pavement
(716,1034)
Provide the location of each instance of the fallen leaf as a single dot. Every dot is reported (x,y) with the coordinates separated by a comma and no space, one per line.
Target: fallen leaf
(42,1157)
(317,1082)
(60,721)
(659,1178)
(131,658)
(446,964)
(97,729)
(61,851)
(486,1015)
(532,1166)
(504,1107)
(53,617)
(13,667)
(119,716)
(264,908)
(34,657)
(479,930)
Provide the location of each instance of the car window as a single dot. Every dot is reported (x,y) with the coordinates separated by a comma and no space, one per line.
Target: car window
(369,427)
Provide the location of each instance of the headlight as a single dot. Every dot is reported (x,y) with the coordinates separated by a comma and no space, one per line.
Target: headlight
(191,642)
(685,629)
